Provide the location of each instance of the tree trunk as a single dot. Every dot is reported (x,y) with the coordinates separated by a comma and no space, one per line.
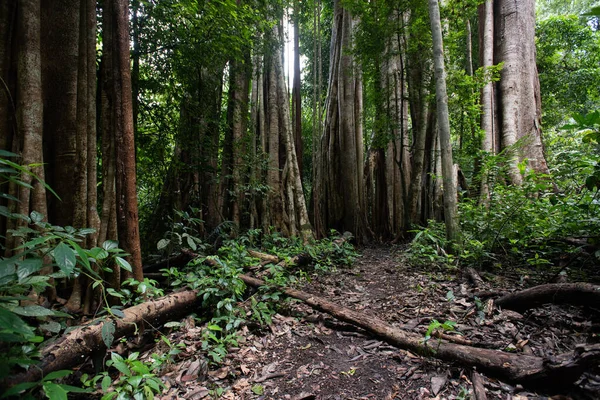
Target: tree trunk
(274,205)
(296,91)
(519,89)
(60,56)
(418,62)
(127,210)
(449,182)
(30,107)
(488,103)
(8,12)
(237,115)
(339,188)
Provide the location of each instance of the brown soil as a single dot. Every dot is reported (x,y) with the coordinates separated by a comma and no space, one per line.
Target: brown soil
(309,355)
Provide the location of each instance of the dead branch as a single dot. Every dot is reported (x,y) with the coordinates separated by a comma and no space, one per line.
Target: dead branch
(76,346)
(478,388)
(518,368)
(556,293)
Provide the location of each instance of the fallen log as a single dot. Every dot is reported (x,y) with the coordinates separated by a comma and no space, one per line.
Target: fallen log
(77,345)
(517,368)
(556,293)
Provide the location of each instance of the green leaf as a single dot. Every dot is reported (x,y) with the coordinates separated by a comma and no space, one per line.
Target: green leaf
(82,255)
(75,389)
(108,333)
(6,153)
(33,311)
(18,388)
(594,12)
(28,266)
(106,382)
(54,391)
(121,262)
(162,243)
(37,241)
(10,322)
(57,375)
(592,182)
(65,258)
(98,253)
(110,245)
(36,217)
(117,312)
(191,243)
(258,389)
(87,231)
(119,364)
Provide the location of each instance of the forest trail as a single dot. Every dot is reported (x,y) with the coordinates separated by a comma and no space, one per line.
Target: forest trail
(309,355)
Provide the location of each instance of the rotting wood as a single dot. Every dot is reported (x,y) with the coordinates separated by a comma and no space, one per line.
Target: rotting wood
(518,368)
(478,388)
(475,278)
(555,293)
(76,346)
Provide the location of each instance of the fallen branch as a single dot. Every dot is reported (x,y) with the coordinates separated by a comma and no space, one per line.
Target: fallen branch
(77,345)
(518,368)
(556,293)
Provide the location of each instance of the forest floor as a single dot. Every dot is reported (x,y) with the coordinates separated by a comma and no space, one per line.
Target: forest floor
(309,355)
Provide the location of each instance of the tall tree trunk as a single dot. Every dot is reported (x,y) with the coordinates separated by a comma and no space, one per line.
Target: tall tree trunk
(450,192)
(418,81)
(127,209)
(295,201)
(60,55)
(93,219)
(339,190)
(8,12)
(30,108)
(519,89)
(488,109)
(296,91)
(237,114)
(274,211)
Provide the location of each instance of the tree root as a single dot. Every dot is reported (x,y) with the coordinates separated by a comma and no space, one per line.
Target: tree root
(556,293)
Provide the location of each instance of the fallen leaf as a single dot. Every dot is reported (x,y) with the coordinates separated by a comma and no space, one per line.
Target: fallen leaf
(437,383)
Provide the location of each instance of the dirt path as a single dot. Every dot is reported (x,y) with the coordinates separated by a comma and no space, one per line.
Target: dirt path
(308,355)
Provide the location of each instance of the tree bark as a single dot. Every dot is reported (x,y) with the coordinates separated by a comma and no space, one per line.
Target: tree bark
(443,119)
(339,188)
(555,293)
(60,56)
(79,344)
(488,103)
(8,12)
(30,108)
(519,88)
(296,91)
(127,210)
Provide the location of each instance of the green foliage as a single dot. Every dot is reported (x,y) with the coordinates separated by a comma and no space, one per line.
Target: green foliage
(136,379)
(427,247)
(568,58)
(183,233)
(133,292)
(48,385)
(587,127)
(435,325)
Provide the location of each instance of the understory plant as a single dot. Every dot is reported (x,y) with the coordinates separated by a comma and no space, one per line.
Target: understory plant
(533,225)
